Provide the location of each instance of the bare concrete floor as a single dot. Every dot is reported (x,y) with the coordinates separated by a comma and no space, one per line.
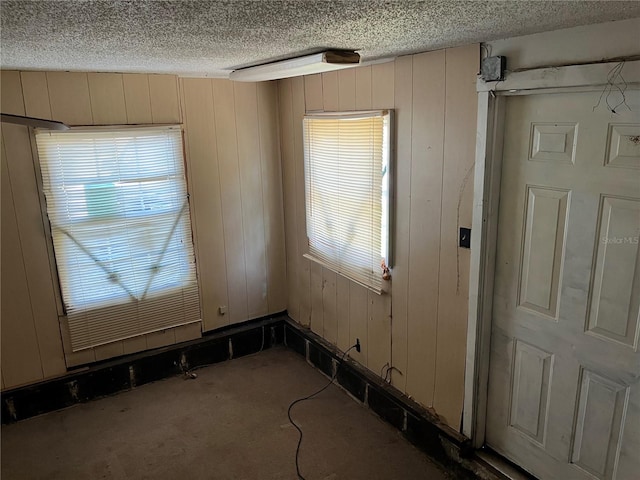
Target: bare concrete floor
(229,423)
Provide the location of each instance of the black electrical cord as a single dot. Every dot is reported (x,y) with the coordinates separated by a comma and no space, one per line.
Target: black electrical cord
(291,405)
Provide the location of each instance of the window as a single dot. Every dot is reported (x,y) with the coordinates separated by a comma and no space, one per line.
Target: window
(347,179)
(118,208)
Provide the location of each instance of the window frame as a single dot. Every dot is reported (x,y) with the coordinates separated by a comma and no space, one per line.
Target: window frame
(388,203)
(78,357)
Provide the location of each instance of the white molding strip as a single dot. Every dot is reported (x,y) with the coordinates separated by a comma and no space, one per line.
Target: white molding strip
(589,76)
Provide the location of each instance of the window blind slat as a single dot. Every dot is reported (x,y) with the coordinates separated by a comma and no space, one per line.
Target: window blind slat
(346,179)
(117,204)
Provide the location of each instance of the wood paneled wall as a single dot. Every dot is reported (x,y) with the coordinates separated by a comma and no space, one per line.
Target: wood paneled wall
(233,167)
(235,180)
(419,328)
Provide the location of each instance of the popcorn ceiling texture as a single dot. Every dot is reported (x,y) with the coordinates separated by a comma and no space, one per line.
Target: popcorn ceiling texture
(211,38)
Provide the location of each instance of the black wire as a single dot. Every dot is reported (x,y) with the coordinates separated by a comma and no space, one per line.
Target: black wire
(292,404)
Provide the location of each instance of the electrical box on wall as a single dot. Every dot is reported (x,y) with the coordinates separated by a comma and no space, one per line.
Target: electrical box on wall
(465,238)
(492,68)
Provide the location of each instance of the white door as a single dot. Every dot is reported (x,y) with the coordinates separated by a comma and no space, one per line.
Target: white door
(564,382)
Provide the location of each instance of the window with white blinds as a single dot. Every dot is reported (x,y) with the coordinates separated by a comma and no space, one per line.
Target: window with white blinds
(347,179)
(118,207)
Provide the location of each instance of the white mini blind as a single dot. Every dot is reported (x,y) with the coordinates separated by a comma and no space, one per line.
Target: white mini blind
(118,207)
(347,192)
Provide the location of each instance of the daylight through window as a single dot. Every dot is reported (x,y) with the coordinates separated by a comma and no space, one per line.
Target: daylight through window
(118,208)
(347,179)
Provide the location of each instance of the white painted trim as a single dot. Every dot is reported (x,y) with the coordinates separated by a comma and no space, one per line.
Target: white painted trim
(483,240)
(490,130)
(592,76)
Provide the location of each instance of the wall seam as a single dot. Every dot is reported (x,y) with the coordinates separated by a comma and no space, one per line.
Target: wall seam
(242,222)
(24,266)
(264,203)
(444,146)
(226,266)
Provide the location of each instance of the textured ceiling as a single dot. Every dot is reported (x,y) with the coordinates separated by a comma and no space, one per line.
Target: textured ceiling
(213,37)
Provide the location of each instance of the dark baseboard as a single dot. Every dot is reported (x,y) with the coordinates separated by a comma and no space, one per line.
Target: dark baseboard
(420,426)
(129,371)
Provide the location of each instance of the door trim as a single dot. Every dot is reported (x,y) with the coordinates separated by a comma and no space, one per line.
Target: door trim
(486,199)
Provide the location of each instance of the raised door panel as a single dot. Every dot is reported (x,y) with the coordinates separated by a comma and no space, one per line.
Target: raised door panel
(553,142)
(615,295)
(544,234)
(532,372)
(599,424)
(623,146)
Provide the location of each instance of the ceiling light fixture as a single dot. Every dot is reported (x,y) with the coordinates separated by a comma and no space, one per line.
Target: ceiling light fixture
(294,67)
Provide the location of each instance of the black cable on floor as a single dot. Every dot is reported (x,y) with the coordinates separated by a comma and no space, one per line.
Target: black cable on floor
(291,405)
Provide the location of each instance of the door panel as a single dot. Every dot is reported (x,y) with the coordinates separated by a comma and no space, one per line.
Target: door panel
(545,224)
(564,392)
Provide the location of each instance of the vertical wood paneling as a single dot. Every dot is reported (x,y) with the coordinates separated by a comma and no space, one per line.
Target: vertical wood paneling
(312,92)
(73,359)
(137,98)
(232,220)
(161,338)
(330,91)
(134,344)
(363,88)
(184,333)
(347,89)
(379,328)
(69,98)
(20,353)
(317,313)
(382,81)
(426,191)
(379,331)
(163,93)
(272,195)
(346,102)
(358,320)
(36,94)
(285,95)
(344,340)
(109,350)
(246,105)
(457,197)
(204,184)
(377,325)
(362,308)
(329,302)
(298,109)
(11,93)
(70,101)
(242,180)
(403,116)
(107,98)
(33,242)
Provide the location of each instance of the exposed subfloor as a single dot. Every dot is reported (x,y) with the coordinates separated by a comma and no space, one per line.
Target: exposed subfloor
(229,423)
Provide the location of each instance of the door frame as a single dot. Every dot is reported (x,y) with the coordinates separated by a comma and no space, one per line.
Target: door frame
(486,202)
